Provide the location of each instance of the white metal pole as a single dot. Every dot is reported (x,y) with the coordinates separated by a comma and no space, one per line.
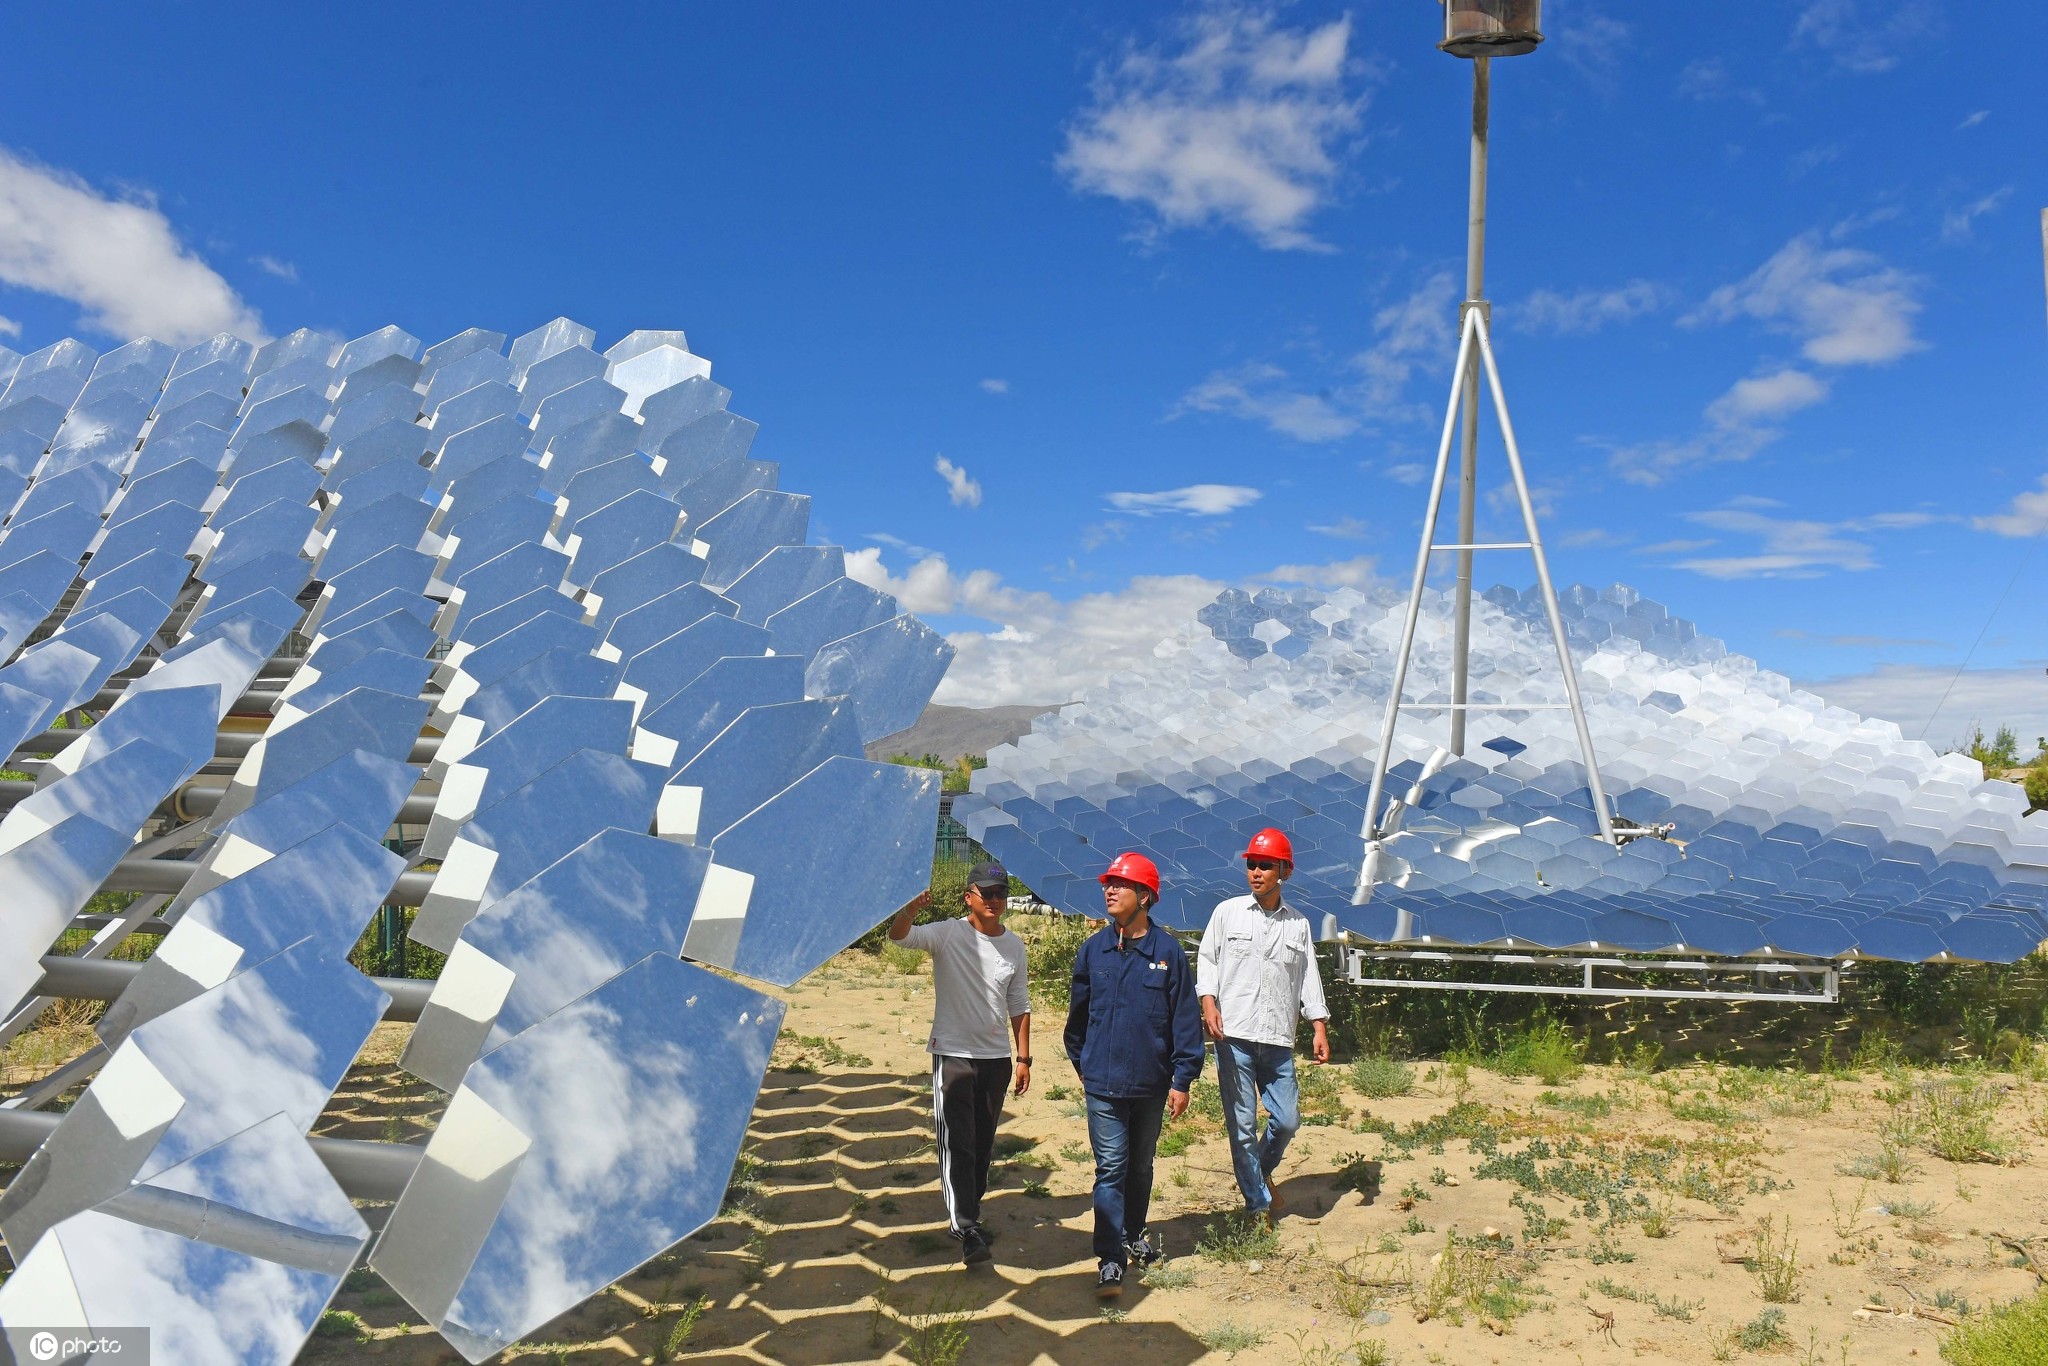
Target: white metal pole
(1436,493)
(1468,461)
(1564,654)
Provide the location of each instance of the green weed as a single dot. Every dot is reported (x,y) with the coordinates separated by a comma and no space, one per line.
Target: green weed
(2005,1336)
(685,1326)
(1231,1338)
(1237,1237)
(1765,1331)
(1545,1050)
(1381,1078)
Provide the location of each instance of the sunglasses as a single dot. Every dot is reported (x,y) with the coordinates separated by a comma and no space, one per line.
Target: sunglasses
(1265,865)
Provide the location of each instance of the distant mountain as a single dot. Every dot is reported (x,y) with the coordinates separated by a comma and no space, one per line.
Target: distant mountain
(950,732)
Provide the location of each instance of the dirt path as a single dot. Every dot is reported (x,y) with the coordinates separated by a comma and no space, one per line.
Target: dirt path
(833,1246)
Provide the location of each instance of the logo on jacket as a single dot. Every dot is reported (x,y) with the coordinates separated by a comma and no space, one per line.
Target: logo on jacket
(1159,966)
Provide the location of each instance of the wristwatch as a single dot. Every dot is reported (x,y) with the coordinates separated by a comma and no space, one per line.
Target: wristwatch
(1024,1062)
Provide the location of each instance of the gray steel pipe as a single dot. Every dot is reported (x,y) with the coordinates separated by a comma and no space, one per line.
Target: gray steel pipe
(104,979)
(170,875)
(364,1169)
(229,744)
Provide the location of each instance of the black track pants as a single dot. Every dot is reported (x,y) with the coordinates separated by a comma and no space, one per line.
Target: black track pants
(967,1103)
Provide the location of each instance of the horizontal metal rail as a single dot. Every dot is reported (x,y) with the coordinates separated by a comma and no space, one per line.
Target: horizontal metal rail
(1802,971)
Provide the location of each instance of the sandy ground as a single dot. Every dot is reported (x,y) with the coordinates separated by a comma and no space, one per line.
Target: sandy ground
(832,1248)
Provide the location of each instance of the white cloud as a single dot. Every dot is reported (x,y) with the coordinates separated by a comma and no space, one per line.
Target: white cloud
(1845,304)
(1044,650)
(1790,547)
(964,492)
(1238,126)
(1410,474)
(9,327)
(1763,398)
(995,386)
(1909,694)
(1196,500)
(1345,528)
(1649,463)
(1422,327)
(1257,392)
(1591,43)
(1864,37)
(283,270)
(1588,310)
(118,260)
(1860,642)
(1708,78)
(910,548)
(1353,573)
(1974,120)
(1956,224)
(1417,329)
(1099,534)
(2028,515)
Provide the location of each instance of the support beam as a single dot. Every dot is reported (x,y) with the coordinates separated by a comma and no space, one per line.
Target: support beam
(104,979)
(364,1170)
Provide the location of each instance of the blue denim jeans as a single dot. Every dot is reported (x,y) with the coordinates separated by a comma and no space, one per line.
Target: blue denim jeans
(1248,1074)
(1123,1131)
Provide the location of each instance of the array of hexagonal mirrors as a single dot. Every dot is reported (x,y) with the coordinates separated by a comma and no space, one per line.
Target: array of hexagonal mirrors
(1799,828)
(542,602)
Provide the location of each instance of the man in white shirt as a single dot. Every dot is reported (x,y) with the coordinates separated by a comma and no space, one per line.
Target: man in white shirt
(981,1003)
(1256,974)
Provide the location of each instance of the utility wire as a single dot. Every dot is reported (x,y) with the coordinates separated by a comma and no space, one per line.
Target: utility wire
(2025,560)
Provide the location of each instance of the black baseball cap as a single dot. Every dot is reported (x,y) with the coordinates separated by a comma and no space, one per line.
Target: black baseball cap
(990,874)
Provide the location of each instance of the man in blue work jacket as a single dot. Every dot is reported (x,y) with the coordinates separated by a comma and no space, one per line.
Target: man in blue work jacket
(1134,1033)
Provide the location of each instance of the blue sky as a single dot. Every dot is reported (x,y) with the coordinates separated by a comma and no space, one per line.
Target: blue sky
(1169,289)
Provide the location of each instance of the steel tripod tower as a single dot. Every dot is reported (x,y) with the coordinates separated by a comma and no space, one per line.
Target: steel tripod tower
(1478,30)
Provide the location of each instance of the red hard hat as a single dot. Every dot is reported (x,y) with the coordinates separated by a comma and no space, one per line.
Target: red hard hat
(1270,843)
(1133,868)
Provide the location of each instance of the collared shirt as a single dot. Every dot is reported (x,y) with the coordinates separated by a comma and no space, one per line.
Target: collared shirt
(1260,966)
(1134,1027)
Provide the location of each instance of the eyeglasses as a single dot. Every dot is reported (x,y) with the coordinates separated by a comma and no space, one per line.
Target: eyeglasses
(1264,865)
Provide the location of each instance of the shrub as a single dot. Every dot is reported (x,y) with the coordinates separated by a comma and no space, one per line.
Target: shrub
(1959,1115)
(1382,1077)
(1545,1050)
(1765,1331)
(2037,787)
(1049,957)
(1776,1262)
(2014,1334)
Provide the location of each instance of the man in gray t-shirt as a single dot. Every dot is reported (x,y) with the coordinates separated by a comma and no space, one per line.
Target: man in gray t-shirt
(982,1003)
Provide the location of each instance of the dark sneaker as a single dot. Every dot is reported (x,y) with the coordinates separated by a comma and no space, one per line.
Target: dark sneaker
(988,1235)
(1109,1281)
(974,1246)
(1141,1253)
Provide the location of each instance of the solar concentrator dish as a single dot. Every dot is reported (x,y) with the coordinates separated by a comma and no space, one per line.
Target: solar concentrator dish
(1800,829)
(312,587)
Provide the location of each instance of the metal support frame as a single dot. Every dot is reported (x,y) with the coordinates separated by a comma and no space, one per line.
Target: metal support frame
(1808,981)
(1475,351)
